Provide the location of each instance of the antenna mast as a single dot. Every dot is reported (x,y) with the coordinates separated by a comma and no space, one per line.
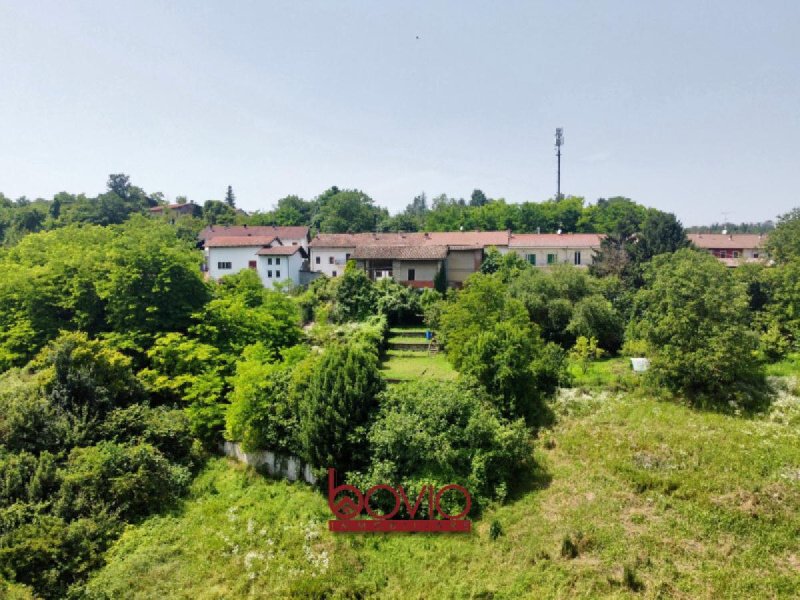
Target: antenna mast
(559,143)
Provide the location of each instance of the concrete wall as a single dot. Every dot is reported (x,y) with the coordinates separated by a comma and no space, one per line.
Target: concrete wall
(461,264)
(339,256)
(275,465)
(424,271)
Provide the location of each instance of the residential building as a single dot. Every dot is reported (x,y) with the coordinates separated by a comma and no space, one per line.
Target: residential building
(411,258)
(187,208)
(732,249)
(228,250)
(548,249)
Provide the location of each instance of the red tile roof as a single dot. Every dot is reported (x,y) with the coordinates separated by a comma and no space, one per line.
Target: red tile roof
(467,239)
(241,241)
(735,241)
(279,250)
(288,232)
(555,240)
(400,252)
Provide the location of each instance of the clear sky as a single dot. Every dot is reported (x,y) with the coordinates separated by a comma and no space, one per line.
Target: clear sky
(692,107)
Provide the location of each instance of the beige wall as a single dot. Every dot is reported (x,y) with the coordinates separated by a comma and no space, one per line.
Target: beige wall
(563,255)
(425,270)
(461,264)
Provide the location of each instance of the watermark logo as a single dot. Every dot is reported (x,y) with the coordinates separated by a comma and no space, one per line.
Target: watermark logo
(353,502)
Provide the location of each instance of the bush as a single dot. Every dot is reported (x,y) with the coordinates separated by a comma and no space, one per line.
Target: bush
(336,407)
(432,432)
(119,479)
(488,336)
(694,316)
(262,414)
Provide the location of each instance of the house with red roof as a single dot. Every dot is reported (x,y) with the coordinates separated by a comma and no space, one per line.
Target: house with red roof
(278,254)
(732,249)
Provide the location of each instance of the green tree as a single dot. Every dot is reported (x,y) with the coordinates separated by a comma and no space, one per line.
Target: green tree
(783,244)
(230,199)
(354,298)
(488,336)
(349,211)
(694,317)
(438,433)
(338,405)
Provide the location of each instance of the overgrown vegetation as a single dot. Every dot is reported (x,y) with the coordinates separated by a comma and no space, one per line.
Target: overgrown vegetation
(121,368)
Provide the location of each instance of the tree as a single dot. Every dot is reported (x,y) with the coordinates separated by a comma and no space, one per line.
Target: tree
(478,198)
(218,213)
(349,211)
(337,407)
(262,414)
(488,336)
(120,184)
(585,351)
(437,433)
(230,199)
(354,299)
(694,317)
(783,244)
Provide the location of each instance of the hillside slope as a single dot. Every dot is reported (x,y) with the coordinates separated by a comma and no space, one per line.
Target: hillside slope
(634,498)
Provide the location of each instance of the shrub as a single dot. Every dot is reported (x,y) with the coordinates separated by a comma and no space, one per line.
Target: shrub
(336,407)
(432,432)
(694,317)
(261,414)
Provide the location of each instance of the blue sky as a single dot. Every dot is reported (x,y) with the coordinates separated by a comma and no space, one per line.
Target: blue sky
(692,107)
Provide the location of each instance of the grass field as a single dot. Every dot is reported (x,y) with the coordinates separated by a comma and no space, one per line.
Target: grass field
(404,366)
(632,498)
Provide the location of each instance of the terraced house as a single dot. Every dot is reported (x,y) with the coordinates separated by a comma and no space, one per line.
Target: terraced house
(416,258)
(278,254)
(732,249)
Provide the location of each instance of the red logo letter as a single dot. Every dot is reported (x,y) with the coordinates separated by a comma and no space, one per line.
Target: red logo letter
(346,508)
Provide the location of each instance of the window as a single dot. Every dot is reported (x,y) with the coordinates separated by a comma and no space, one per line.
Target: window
(333,274)
(531,259)
(278,274)
(251,264)
(755,254)
(330,260)
(269,261)
(412,273)
(347,256)
(735,254)
(317,260)
(224,265)
(577,258)
(277,261)
(269,274)
(551,259)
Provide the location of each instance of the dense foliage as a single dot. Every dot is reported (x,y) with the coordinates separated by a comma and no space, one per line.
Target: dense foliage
(693,315)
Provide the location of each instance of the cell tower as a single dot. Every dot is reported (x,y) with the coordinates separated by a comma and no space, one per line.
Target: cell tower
(559,143)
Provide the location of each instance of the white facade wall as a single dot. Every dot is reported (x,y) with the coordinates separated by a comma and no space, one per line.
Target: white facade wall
(562,255)
(267,267)
(330,261)
(279,269)
(239,257)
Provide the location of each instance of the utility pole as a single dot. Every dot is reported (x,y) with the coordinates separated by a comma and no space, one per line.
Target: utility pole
(559,143)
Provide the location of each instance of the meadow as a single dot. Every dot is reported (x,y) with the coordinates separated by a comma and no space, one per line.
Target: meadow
(630,497)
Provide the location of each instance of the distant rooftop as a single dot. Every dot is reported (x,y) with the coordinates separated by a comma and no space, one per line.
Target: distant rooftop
(734,241)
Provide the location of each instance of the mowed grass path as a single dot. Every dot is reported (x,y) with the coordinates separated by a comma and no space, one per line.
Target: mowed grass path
(694,504)
(407,365)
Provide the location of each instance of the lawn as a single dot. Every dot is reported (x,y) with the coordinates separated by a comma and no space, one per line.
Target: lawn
(404,365)
(608,373)
(789,366)
(632,498)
